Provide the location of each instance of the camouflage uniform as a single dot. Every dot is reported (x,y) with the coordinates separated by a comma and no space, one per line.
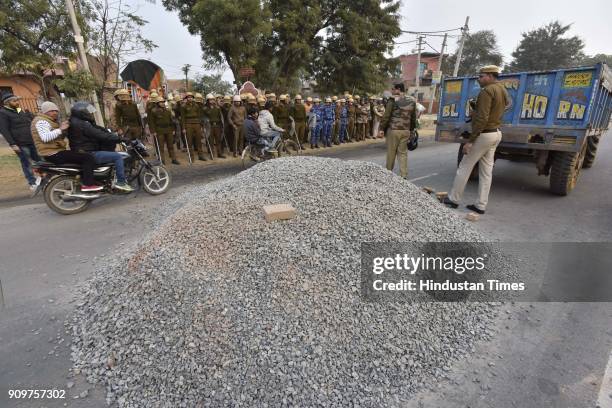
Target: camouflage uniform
(398,122)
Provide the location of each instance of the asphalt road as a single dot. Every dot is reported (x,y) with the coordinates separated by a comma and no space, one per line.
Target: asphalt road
(543,355)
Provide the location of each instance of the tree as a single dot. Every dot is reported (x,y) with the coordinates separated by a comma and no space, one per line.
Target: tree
(592,60)
(77,84)
(206,84)
(480,49)
(32,34)
(231,31)
(115,34)
(288,40)
(352,54)
(547,48)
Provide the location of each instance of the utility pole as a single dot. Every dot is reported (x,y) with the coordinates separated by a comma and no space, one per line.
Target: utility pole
(186,71)
(435,86)
(464,32)
(418,70)
(78,38)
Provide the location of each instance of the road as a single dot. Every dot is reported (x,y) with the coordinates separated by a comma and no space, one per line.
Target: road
(544,354)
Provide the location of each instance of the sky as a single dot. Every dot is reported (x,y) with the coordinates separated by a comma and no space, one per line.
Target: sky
(590,20)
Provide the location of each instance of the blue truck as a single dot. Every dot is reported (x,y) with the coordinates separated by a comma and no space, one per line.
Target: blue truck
(556,119)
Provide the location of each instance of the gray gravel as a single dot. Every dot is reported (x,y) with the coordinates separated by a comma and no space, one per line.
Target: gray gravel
(219,308)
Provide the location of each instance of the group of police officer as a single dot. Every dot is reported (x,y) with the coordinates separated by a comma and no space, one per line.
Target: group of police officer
(214,125)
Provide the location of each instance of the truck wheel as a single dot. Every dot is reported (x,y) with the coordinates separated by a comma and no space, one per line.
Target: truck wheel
(591,151)
(474,173)
(565,170)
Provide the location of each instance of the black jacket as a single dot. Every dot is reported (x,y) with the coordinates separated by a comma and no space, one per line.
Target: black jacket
(252,132)
(15,126)
(87,137)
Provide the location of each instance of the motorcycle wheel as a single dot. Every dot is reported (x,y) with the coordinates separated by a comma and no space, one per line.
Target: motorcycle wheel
(54,196)
(156,180)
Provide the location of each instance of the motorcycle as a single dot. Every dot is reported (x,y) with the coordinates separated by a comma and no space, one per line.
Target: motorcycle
(61,183)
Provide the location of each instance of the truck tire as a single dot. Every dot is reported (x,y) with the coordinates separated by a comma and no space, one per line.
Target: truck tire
(565,170)
(591,151)
(474,173)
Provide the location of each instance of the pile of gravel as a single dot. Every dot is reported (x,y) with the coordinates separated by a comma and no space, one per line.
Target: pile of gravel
(220,308)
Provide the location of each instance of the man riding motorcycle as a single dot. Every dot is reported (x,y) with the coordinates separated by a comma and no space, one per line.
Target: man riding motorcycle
(85,136)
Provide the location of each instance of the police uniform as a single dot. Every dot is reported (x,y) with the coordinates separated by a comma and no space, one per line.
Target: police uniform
(352,113)
(298,113)
(399,122)
(214,115)
(127,118)
(236,117)
(161,123)
(491,103)
(281,115)
(328,113)
(191,122)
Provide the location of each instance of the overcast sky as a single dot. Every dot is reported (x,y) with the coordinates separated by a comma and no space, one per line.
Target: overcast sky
(590,19)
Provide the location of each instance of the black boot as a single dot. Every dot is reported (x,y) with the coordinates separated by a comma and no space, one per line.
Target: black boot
(174,161)
(472,207)
(447,202)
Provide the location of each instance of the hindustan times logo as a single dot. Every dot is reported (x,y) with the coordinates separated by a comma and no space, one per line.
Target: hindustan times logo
(422,263)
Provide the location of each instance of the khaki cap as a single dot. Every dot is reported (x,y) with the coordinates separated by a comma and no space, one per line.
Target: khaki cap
(490,69)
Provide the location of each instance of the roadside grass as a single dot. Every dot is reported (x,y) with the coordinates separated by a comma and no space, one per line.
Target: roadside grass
(12,182)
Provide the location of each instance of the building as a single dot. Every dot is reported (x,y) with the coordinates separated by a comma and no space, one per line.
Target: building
(430,64)
(35,88)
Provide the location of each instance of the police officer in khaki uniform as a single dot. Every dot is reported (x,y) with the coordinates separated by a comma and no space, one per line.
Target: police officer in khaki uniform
(352,116)
(236,117)
(126,115)
(162,126)
(398,124)
(191,122)
(298,113)
(213,113)
(491,104)
(281,115)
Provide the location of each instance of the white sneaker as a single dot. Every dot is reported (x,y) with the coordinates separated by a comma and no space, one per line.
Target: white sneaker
(38,180)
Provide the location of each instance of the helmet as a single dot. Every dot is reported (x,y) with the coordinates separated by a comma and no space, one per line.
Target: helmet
(334,98)
(351,100)
(83,110)
(282,97)
(198,97)
(188,94)
(298,97)
(236,98)
(121,92)
(272,95)
(316,100)
(153,94)
(342,100)
(309,99)
(210,96)
(328,100)
(357,97)
(177,98)
(227,98)
(251,98)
